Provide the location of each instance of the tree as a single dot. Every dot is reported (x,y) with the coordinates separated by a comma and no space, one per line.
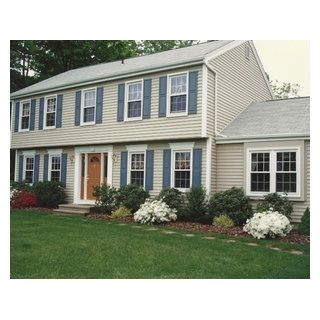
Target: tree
(32,61)
(285,90)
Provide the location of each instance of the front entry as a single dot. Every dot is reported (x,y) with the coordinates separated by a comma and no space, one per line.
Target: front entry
(94,174)
(94,171)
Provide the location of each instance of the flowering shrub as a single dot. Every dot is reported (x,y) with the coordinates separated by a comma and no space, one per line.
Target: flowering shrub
(155,211)
(268,224)
(13,193)
(22,199)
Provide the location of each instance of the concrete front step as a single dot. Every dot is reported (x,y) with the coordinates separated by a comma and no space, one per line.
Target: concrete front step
(74,209)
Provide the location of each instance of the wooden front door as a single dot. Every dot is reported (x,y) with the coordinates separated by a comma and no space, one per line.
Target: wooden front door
(94,173)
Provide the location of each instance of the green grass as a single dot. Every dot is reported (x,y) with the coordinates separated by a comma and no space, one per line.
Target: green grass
(52,246)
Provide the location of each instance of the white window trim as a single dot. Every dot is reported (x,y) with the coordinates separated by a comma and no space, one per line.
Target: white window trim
(126,100)
(20,115)
(130,153)
(272,170)
(25,156)
(173,151)
(45,127)
(177,114)
(82,123)
(50,164)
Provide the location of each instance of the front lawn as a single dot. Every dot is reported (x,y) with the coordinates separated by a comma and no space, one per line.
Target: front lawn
(44,245)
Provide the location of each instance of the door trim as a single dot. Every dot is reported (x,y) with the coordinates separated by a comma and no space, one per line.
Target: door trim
(78,151)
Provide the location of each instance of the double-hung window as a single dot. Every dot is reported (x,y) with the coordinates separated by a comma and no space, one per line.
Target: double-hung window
(25,116)
(134,101)
(137,168)
(182,169)
(50,112)
(178,88)
(276,170)
(28,169)
(55,168)
(89,106)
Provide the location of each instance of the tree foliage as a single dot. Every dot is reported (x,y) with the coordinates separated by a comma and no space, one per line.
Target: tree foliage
(32,61)
(285,90)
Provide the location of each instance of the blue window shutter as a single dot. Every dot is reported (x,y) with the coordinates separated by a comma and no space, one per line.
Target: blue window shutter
(193,92)
(196,167)
(16,117)
(146,98)
(41,110)
(32,114)
(64,168)
(149,169)
(124,163)
(45,167)
(77,110)
(166,168)
(20,172)
(120,115)
(59,111)
(162,96)
(99,105)
(36,168)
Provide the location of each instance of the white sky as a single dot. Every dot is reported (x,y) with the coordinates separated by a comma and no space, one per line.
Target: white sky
(286,61)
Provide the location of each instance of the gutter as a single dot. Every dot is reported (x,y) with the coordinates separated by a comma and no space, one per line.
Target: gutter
(104,79)
(225,140)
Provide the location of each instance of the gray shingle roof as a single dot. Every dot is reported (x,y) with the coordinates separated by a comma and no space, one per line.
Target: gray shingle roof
(272,118)
(132,65)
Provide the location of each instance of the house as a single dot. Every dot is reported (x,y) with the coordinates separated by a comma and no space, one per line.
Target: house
(201,115)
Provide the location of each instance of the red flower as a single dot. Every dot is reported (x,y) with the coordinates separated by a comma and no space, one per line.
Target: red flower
(23,199)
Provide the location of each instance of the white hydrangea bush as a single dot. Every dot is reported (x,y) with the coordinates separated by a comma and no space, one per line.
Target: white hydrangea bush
(155,211)
(268,224)
(13,193)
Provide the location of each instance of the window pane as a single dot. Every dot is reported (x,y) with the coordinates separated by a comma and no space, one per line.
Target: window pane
(88,114)
(51,119)
(51,105)
(26,109)
(134,109)
(89,99)
(25,122)
(55,175)
(182,179)
(135,91)
(286,182)
(179,84)
(178,103)
(29,163)
(260,162)
(286,161)
(260,182)
(55,163)
(137,177)
(137,161)
(182,161)
(29,176)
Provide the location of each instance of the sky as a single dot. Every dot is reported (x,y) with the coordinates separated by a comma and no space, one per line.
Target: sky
(286,61)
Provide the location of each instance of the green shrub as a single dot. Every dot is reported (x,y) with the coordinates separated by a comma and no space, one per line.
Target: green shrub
(105,198)
(121,212)
(131,196)
(49,194)
(277,202)
(304,225)
(223,221)
(233,203)
(21,186)
(196,209)
(173,198)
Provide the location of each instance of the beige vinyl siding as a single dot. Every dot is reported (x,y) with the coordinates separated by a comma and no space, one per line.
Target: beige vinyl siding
(239,82)
(111,131)
(231,173)
(158,163)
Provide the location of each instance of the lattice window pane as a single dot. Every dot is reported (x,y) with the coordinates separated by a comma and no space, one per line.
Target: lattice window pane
(88,114)
(178,103)
(134,109)
(182,179)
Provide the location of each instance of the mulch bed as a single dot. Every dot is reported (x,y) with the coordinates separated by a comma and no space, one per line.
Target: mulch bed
(292,237)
